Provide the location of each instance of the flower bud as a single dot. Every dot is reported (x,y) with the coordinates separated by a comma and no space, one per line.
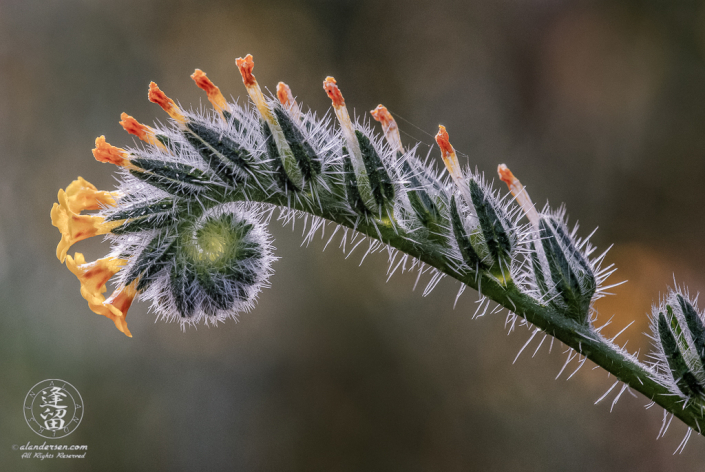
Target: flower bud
(678,335)
(570,273)
(681,373)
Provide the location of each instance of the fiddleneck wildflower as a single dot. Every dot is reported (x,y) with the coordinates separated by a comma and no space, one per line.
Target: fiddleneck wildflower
(187,225)
(93,277)
(66,215)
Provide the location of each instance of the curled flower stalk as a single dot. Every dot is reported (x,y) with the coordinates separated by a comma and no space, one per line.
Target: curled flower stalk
(187,225)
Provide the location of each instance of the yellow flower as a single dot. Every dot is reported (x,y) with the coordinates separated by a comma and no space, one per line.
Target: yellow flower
(118,304)
(73,226)
(83,195)
(93,277)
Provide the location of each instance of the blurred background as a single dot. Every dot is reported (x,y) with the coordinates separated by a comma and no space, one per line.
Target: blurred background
(600,105)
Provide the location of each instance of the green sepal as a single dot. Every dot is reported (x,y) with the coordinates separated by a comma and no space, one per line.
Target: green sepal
(684,378)
(151,260)
(588,283)
(426,211)
(380,183)
(277,159)
(169,143)
(573,251)
(695,326)
(182,280)
(306,157)
(469,254)
(230,118)
(537,268)
(568,284)
(218,291)
(493,228)
(172,177)
(351,191)
(146,217)
(694,363)
(222,154)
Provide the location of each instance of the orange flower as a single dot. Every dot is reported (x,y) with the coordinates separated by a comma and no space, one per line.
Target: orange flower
(450,159)
(214,96)
(105,152)
(329,85)
(93,277)
(168,105)
(448,153)
(389,127)
(246,65)
(346,126)
(143,132)
(520,193)
(75,227)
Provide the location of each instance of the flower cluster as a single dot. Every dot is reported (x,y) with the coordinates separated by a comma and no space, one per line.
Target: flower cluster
(187,222)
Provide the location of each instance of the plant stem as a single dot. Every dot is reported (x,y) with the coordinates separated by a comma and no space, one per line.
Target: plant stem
(581,337)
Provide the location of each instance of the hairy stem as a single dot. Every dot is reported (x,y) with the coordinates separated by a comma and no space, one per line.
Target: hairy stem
(581,337)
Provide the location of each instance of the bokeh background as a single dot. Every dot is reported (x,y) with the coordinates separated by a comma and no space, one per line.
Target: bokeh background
(600,105)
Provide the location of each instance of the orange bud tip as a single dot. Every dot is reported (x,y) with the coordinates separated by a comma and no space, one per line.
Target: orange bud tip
(284,94)
(506,175)
(246,65)
(381,114)
(329,85)
(443,143)
(389,126)
(134,127)
(519,192)
(105,152)
(168,105)
(214,96)
(157,96)
(204,83)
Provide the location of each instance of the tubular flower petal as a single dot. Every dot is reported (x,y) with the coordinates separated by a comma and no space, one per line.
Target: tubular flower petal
(83,195)
(334,93)
(105,152)
(75,227)
(143,132)
(168,105)
(448,153)
(341,112)
(214,96)
(118,304)
(520,193)
(245,65)
(287,100)
(93,277)
(450,159)
(389,127)
(289,168)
